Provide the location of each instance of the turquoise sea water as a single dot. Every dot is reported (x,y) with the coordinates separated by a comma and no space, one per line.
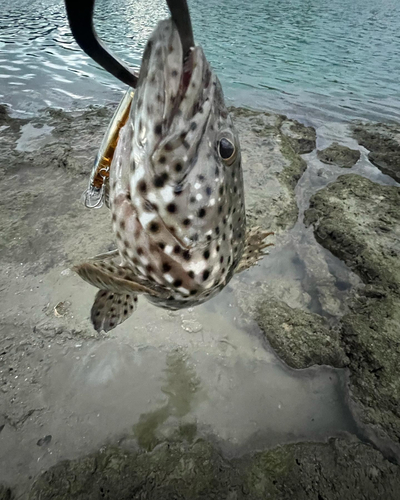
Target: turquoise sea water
(333,60)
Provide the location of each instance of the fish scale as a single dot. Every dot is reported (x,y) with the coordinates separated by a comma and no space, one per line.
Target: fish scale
(176,190)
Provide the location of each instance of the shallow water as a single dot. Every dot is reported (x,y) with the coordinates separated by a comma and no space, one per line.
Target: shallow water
(336,60)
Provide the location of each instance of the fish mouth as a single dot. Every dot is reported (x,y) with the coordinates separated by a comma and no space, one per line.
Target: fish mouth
(173,86)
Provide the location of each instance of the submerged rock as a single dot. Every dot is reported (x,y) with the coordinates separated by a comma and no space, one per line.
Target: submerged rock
(339,469)
(383,142)
(339,155)
(359,222)
(301,138)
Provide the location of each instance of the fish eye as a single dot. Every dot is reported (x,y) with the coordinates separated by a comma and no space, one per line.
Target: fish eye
(226,149)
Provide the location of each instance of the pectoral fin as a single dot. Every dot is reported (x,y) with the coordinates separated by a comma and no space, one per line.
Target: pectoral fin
(107,276)
(253,251)
(111,309)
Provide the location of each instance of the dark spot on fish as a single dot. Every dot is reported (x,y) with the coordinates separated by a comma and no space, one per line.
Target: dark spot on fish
(186,255)
(174,73)
(149,268)
(111,297)
(195,237)
(142,186)
(208,191)
(178,167)
(223,270)
(217,230)
(171,207)
(191,274)
(159,97)
(186,145)
(118,235)
(162,159)
(193,126)
(170,48)
(239,235)
(221,259)
(139,250)
(192,199)
(154,227)
(98,314)
(161,245)
(218,248)
(200,110)
(202,212)
(112,323)
(206,274)
(220,209)
(171,229)
(159,181)
(158,129)
(208,237)
(177,283)
(224,237)
(133,165)
(131,307)
(206,254)
(135,299)
(221,190)
(186,222)
(193,292)
(120,301)
(168,147)
(177,249)
(166,267)
(128,196)
(235,189)
(103,294)
(201,178)
(125,311)
(114,217)
(229,259)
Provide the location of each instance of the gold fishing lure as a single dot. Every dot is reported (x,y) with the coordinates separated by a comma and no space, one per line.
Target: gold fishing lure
(97,191)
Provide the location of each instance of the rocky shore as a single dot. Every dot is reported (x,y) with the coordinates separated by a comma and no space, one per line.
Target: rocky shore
(341,310)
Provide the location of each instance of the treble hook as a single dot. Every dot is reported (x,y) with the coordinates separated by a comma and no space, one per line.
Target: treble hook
(80,18)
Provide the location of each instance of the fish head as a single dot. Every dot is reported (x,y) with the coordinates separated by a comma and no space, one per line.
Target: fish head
(180,156)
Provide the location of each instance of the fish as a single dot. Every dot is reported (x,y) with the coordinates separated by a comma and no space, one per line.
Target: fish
(175,191)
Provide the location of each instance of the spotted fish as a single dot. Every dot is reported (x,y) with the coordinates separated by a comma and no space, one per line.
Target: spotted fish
(175,191)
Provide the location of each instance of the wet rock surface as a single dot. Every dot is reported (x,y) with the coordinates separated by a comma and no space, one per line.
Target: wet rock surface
(359,221)
(271,165)
(383,142)
(45,163)
(300,338)
(340,469)
(339,155)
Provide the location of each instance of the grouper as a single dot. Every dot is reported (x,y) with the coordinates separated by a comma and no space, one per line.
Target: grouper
(175,190)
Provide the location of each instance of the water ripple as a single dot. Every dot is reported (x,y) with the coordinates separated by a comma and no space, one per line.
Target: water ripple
(339,58)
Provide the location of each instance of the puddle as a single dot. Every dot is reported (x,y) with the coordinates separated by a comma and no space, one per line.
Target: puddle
(154,379)
(33,138)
